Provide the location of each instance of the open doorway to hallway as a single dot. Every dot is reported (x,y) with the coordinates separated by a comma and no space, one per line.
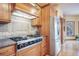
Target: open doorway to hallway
(68,30)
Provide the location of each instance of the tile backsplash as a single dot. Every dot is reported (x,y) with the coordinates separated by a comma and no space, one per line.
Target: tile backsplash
(18,26)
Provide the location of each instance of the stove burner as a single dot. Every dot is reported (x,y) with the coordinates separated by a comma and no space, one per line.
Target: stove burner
(18,38)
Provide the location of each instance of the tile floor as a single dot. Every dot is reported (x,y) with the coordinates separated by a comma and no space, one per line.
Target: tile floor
(70,48)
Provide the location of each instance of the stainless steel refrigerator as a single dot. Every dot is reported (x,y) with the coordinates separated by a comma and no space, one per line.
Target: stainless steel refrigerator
(55,35)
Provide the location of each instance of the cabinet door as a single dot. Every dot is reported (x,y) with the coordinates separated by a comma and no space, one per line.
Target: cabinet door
(44,47)
(7,51)
(1,11)
(37,21)
(45,24)
(34,52)
(27,8)
(44,51)
(5,11)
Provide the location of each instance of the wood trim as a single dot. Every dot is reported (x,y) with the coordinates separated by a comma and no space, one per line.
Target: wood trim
(42,6)
(31,6)
(61,24)
(38,5)
(13,6)
(45,5)
(4,22)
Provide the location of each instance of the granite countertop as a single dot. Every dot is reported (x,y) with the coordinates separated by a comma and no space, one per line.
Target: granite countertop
(6,42)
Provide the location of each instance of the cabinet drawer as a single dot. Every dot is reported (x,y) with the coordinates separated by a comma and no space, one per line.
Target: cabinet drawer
(10,50)
(34,52)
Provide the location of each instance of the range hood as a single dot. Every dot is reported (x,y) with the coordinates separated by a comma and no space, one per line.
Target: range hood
(22,14)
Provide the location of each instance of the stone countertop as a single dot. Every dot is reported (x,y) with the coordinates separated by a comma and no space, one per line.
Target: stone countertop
(6,42)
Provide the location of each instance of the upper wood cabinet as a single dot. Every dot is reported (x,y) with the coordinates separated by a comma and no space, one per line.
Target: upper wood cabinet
(5,13)
(28,8)
(31,9)
(37,21)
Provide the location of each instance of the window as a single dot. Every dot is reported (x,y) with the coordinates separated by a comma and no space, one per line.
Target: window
(70,28)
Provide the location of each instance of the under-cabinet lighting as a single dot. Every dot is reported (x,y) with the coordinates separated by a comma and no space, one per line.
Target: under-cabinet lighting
(19,19)
(22,14)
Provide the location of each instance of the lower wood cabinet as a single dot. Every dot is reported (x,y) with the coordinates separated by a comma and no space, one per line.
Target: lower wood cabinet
(40,49)
(44,47)
(8,51)
(44,51)
(32,51)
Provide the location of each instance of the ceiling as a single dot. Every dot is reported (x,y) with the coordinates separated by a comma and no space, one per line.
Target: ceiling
(70,8)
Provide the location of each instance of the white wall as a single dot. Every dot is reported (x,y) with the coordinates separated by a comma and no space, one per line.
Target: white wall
(75,19)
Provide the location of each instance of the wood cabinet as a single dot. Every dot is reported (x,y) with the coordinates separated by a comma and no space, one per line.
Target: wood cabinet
(27,8)
(37,21)
(8,51)
(5,13)
(44,47)
(45,24)
(31,51)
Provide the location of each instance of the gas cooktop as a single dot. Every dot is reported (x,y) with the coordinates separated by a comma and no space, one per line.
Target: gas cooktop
(24,38)
(23,42)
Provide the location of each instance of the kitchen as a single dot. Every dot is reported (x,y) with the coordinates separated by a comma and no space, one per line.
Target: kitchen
(20,30)
(30,29)
(39,29)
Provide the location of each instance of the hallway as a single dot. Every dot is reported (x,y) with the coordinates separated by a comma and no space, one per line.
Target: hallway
(70,48)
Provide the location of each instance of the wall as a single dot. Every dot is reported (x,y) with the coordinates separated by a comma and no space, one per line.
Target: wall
(75,19)
(18,27)
(55,10)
